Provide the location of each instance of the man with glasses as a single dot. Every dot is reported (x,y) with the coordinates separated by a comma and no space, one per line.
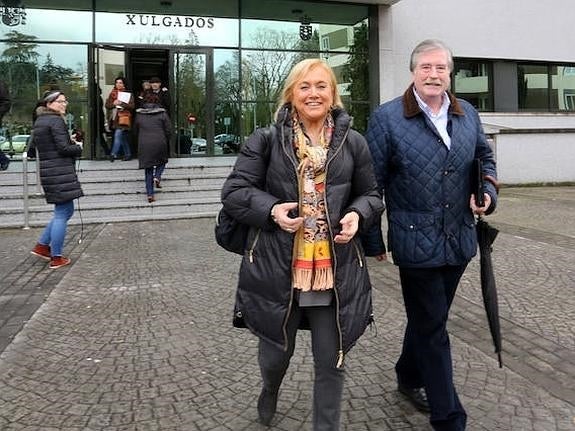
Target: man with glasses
(5,104)
(423,146)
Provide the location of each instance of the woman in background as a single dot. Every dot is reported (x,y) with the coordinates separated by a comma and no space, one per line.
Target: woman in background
(153,129)
(120,119)
(58,154)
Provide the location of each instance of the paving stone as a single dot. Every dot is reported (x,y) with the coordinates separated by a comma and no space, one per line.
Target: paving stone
(136,335)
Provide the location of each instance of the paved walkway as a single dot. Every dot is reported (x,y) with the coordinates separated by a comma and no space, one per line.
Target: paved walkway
(136,334)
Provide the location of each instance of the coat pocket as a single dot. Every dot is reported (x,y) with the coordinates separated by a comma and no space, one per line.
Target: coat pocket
(468,237)
(413,237)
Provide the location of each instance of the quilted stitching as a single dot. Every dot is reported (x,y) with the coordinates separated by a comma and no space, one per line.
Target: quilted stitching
(427,186)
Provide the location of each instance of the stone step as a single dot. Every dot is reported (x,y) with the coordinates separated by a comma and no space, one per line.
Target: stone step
(117,197)
(122,187)
(116,192)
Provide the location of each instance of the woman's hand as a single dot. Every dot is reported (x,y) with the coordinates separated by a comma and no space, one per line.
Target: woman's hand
(480,210)
(349,225)
(280,215)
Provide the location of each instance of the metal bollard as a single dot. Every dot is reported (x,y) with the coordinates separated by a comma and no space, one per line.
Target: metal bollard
(38,183)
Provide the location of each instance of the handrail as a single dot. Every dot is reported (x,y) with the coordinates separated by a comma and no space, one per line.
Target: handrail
(25,187)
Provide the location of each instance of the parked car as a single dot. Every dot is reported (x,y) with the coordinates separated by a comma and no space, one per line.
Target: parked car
(224,137)
(229,143)
(18,144)
(199,145)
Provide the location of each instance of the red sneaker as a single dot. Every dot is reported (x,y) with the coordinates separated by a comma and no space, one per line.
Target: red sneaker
(59,261)
(42,250)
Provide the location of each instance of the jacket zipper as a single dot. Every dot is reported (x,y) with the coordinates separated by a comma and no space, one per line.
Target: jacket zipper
(290,304)
(340,353)
(359,259)
(253,246)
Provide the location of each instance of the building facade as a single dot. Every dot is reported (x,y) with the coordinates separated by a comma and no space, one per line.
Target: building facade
(224,61)
(514,61)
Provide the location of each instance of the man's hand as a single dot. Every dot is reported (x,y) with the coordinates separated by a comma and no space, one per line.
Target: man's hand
(480,210)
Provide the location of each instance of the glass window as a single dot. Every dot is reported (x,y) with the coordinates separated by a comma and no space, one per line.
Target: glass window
(166,29)
(533,87)
(227,115)
(472,82)
(51,25)
(563,88)
(31,69)
(352,73)
(279,35)
(263,73)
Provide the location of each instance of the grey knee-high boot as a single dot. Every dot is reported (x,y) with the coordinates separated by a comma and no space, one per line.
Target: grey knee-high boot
(327,393)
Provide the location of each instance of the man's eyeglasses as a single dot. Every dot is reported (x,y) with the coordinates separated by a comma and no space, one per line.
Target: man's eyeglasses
(60,101)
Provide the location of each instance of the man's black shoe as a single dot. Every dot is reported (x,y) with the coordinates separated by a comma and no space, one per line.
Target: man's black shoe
(267,403)
(417,396)
(4,164)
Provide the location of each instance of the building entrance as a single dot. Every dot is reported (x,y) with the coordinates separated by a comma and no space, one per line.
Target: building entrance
(187,76)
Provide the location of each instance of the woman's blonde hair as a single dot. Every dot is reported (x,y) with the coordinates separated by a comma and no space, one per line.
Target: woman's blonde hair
(298,72)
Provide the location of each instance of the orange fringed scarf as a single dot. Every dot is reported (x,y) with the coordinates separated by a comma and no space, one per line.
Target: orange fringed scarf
(312,268)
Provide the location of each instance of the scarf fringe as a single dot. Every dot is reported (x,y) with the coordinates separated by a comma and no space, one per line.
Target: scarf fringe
(310,279)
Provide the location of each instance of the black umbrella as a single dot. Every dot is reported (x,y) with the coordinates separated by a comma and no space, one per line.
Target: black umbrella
(485,236)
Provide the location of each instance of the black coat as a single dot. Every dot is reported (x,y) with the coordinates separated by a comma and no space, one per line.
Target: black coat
(153,129)
(57,155)
(265,175)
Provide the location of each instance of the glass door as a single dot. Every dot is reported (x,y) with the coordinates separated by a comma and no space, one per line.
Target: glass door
(192,77)
(109,63)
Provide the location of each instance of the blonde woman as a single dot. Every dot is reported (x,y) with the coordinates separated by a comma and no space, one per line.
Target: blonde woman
(305,188)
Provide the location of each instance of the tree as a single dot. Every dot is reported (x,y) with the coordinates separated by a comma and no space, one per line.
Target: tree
(21,48)
(309,48)
(227,90)
(51,74)
(356,73)
(266,71)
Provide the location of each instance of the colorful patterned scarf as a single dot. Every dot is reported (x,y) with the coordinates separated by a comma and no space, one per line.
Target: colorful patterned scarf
(312,257)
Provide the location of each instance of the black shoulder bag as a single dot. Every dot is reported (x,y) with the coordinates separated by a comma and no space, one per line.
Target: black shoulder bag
(231,234)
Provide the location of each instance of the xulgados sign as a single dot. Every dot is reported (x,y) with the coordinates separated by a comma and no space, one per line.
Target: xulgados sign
(169,21)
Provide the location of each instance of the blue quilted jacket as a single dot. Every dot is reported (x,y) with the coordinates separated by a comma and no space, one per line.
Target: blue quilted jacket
(427,187)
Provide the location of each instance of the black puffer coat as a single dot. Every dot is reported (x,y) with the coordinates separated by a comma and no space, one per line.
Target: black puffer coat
(264,175)
(57,155)
(153,129)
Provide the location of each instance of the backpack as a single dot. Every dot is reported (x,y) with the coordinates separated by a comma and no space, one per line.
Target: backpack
(230,233)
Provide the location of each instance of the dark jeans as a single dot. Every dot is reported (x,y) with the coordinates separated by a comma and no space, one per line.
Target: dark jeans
(4,160)
(328,380)
(150,174)
(425,359)
(121,141)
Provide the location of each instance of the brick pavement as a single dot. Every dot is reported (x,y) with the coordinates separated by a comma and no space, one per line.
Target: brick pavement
(136,334)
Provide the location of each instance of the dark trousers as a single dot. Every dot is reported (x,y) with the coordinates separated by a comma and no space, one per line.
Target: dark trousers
(328,380)
(425,359)
(3,158)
